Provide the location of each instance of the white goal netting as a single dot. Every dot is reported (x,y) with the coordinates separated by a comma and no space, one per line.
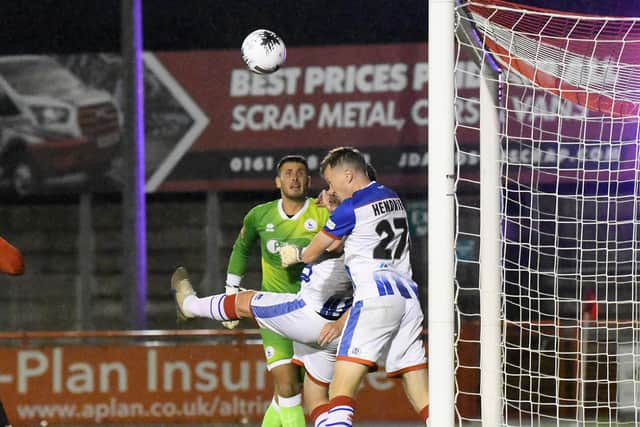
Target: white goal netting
(569,108)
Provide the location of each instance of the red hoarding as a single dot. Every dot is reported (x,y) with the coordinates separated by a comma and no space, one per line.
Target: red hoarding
(210,124)
(159,384)
(372,97)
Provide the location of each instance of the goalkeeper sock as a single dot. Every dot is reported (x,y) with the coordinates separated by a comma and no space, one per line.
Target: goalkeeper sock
(272,415)
(341,410)
(319,415)
(218,307)
(291,413)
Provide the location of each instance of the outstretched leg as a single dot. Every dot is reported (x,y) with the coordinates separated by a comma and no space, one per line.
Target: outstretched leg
(220,307)
(286,409)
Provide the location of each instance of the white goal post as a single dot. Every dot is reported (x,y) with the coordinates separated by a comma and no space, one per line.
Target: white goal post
(440,212)
(540,113)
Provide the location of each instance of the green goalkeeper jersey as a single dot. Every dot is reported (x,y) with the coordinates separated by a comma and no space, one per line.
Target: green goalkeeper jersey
(269,224)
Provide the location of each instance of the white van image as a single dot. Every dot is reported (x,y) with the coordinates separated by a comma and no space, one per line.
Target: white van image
(53,127)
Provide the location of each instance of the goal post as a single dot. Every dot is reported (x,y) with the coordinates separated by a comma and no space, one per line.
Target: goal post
(490,276)
(546,216)
(441,213)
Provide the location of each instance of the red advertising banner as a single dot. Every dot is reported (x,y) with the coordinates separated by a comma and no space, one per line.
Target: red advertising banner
(371,96)
(211,124)
(158,384)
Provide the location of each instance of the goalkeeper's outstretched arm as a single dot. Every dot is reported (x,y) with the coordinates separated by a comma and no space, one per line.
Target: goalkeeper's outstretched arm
(237,266)
(246,240)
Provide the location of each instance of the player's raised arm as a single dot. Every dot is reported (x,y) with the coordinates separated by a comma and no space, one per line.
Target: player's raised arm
(320,243)
(328,239)
(11,261)
(292,254)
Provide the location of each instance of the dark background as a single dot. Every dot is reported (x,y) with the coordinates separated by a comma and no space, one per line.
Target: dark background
(68,26)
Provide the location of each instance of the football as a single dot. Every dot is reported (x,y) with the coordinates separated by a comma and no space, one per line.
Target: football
(263,51)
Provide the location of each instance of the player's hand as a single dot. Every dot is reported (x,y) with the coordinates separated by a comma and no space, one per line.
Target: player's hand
(330,331)
(289,255)
(231,290)
(327,200)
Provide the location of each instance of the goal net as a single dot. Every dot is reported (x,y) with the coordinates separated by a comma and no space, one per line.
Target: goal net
(565,90)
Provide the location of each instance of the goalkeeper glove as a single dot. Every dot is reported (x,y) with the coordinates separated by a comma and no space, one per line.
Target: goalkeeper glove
(290,254)
(231,290)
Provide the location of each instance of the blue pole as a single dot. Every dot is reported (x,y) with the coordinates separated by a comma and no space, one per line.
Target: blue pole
(133,195)
(141,216)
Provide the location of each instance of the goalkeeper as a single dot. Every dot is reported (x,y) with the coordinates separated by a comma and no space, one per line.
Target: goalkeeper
(292,219)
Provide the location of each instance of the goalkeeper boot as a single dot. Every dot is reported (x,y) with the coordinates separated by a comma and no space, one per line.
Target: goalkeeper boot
(181,288)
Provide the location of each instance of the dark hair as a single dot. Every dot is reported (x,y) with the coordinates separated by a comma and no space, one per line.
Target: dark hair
(296,158)
(344,155)
(371,172)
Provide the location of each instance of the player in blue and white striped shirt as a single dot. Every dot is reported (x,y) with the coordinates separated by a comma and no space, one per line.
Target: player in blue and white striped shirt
(385,322)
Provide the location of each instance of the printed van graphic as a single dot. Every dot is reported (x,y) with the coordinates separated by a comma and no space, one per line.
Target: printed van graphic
(54,129)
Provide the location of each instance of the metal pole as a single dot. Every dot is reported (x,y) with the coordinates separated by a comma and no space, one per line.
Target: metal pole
(213,282)
(441,213)
(85,279)
(490,249)
(133,196)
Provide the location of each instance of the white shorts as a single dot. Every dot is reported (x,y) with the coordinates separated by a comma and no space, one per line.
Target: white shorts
(319,363)
(288,315)
(386,329)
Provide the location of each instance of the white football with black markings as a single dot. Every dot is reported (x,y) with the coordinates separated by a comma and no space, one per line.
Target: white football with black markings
(263,51)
